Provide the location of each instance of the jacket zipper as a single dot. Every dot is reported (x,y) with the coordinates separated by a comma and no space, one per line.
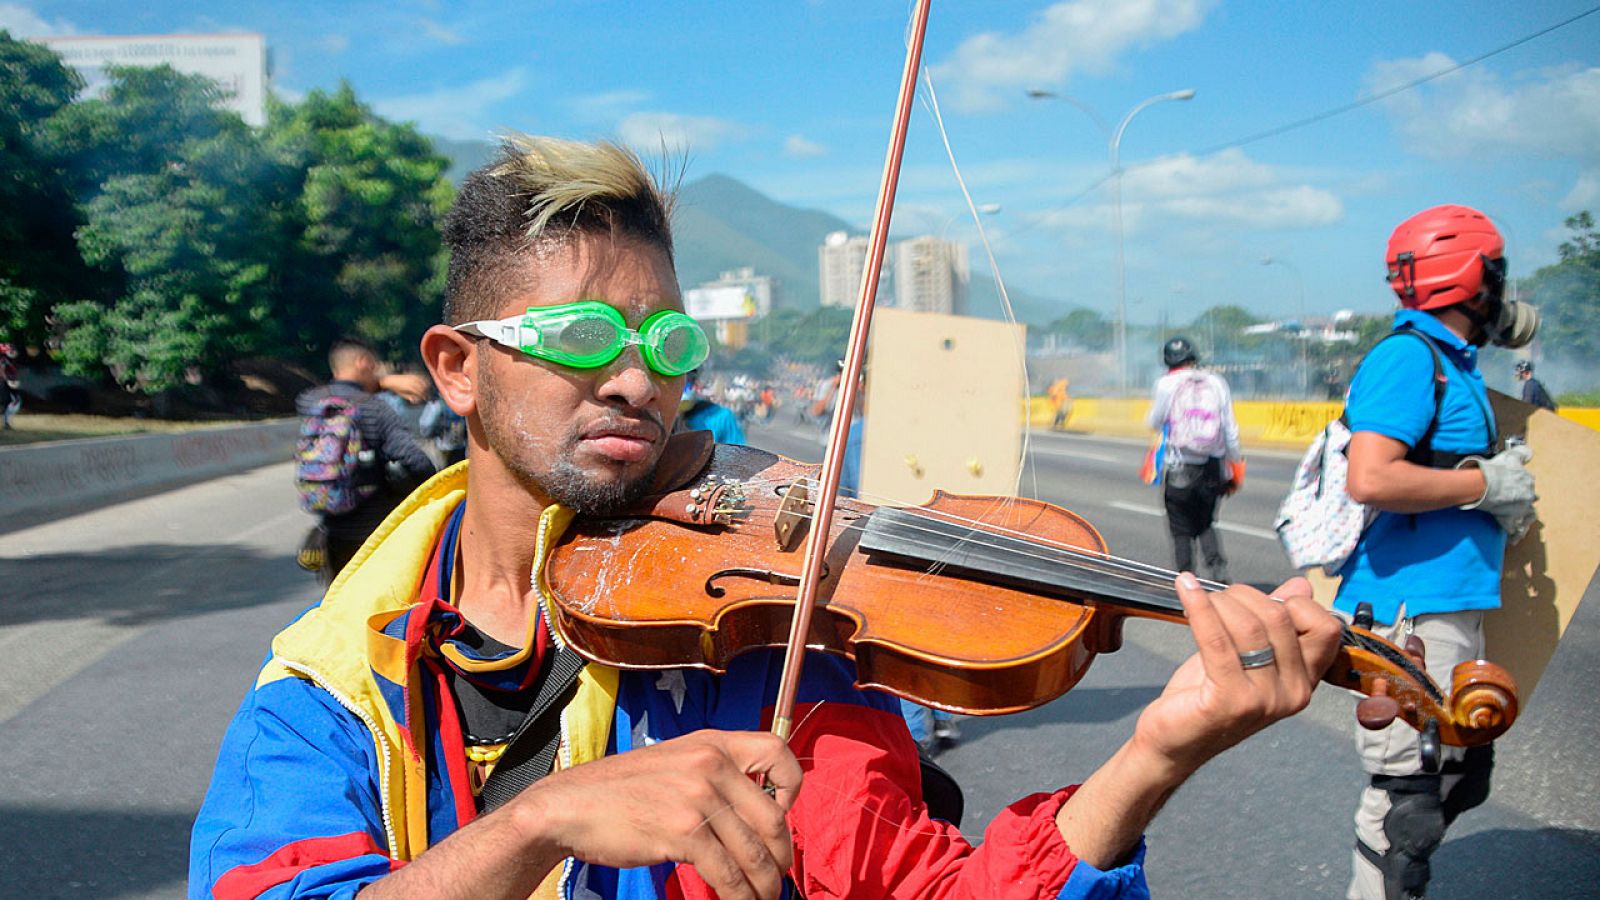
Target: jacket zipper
(383,742)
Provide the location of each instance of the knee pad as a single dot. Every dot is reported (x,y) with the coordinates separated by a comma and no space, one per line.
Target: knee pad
(1472,790)
(1415,823)
(1414,826)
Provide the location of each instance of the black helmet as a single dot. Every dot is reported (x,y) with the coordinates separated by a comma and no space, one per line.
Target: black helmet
(1523,366)
(1177,351)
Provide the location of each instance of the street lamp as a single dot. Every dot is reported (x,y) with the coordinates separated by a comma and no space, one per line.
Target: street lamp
(1300,286)
(1114,144)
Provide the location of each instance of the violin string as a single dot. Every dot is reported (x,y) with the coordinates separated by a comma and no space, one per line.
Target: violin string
(1127,570)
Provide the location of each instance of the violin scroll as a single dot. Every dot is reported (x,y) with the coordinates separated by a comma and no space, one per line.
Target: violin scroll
(1483,696)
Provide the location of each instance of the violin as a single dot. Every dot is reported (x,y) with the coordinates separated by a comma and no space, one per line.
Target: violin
(976,605)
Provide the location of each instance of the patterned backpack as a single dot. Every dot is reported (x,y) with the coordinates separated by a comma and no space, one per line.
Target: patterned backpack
(329,457)
(1319,524)
(1195,418)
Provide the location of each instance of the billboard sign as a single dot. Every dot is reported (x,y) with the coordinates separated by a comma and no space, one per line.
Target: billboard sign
(719,303)
(237,62)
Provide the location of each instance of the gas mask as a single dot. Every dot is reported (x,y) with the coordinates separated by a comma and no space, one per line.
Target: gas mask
(1505,323)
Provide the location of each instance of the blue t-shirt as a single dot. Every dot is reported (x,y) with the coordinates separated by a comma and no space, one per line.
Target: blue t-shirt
(719,420)
(1443,561)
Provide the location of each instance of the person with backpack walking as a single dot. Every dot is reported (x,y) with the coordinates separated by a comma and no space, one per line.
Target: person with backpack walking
(1203,462)
(356,458)
(1443,501)
(10,383)
(1532,388)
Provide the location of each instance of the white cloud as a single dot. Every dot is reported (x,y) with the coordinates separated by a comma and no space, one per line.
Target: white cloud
(1068,37)
(1585,194)
(797,145)
(461,112)
(651,131)
(332,43)
(609,106)
(1551,112)
(23,22)
(440,32)
(1226,188)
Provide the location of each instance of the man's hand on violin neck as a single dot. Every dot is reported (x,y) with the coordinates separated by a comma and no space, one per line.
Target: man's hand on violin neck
(688,800)
(1215,700)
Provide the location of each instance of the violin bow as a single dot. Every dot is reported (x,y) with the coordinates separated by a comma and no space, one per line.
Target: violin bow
(849,381)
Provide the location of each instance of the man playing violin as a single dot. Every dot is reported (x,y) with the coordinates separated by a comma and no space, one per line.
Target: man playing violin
(364,758)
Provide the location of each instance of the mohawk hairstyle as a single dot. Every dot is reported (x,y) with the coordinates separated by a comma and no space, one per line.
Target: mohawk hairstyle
(539,194)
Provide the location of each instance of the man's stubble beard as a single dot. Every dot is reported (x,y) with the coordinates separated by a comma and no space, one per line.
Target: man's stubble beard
(561,480)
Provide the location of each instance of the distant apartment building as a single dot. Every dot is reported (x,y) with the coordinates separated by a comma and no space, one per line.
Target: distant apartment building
(841,259)
(236,62)
(930,275)
(730,303)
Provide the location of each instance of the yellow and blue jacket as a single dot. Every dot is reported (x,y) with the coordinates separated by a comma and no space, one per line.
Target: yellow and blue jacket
(337,768)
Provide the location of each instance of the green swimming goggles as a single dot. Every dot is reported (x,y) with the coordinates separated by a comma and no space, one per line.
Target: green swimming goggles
(589,334)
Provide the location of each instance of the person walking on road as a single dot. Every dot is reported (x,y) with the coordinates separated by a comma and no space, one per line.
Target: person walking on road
(10,383)
(1532,388)
(1423,454)
(1194,411)
(390,461)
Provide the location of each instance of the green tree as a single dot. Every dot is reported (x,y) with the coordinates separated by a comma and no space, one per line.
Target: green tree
(1084,327)
(818,336)
(1568,296)
(369,260)
(39,263)
(195,243)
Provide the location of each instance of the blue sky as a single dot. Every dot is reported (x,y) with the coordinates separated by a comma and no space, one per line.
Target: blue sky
(795,99)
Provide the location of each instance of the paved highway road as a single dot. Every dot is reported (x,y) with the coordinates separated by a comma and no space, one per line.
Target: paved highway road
(129,634)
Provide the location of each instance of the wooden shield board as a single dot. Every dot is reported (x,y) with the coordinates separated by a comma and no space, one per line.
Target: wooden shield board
(944,407)
(1547,572)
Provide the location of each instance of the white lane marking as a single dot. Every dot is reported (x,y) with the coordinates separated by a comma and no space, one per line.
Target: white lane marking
(1079,454)
(1263,533)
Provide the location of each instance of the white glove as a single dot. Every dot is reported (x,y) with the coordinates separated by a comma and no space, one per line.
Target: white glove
(1508,489)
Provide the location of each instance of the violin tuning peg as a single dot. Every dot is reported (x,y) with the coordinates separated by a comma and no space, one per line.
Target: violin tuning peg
(1416,650)
(1363,616)
(1380,709)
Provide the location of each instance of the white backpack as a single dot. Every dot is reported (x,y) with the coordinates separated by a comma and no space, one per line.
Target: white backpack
(1318,523)
(1195,417)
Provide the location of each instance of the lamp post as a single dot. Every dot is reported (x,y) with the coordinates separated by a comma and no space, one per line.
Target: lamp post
(1114,144)
(1300,287)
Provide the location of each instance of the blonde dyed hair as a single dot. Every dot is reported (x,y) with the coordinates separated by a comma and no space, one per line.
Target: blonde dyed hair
(543,192)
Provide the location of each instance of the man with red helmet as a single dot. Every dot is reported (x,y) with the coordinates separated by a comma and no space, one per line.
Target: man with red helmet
(1424,456)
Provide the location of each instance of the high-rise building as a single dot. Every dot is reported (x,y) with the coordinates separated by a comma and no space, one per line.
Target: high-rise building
(841,259)
(930,275)
(236,62)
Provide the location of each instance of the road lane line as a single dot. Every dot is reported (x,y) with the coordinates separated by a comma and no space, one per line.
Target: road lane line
(1078,454)
(1264,533)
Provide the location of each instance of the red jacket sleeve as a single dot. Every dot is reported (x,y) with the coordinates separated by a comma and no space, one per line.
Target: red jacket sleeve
(861,829)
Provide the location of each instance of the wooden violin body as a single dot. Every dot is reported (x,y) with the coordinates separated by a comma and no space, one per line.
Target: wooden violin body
(978,605)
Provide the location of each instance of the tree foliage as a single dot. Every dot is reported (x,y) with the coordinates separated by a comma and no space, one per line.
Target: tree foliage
(1083,328)
(154,237)
(39,266)
(1568,296)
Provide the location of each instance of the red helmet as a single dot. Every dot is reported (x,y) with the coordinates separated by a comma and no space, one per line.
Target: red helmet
(1436,257)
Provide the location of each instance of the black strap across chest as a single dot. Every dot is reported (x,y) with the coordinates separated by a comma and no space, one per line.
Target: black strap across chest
(531,752)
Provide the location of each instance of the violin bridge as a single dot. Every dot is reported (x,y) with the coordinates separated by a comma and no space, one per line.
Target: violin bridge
(793,514)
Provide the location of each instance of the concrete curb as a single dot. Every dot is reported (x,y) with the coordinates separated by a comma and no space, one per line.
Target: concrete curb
(40,482)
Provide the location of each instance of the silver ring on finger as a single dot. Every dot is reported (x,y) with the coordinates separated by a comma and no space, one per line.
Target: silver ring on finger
(1257,659)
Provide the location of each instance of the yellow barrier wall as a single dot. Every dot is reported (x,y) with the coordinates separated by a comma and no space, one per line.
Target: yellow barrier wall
(1283,424)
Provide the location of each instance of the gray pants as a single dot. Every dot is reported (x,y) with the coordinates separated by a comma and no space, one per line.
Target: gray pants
(1449,638)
